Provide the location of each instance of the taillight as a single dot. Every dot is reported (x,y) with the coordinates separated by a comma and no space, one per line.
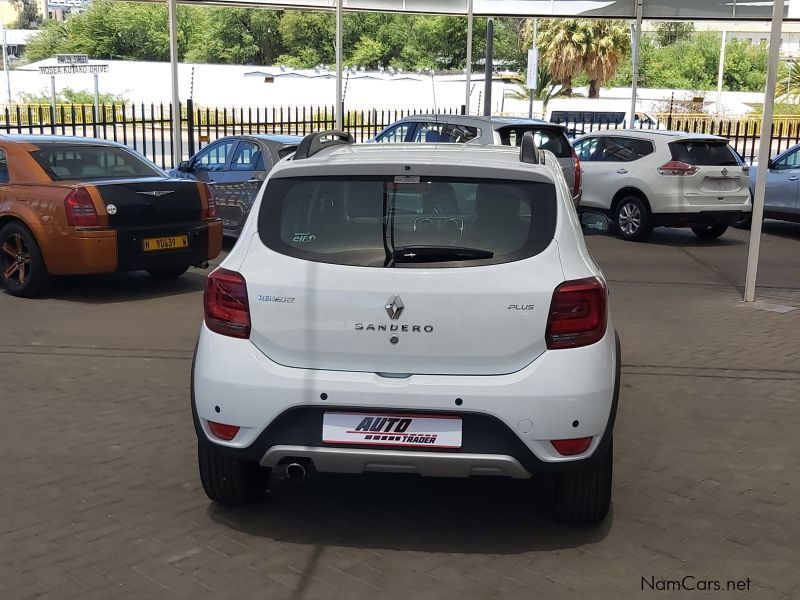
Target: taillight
(570,447)
(222,431)
(80,209)
(576,163)
(578,314)
(227,310)
(211,211)
(676,167)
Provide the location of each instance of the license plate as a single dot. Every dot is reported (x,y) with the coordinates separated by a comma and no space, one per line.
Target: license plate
(415,431)
(171,242)
(718,184)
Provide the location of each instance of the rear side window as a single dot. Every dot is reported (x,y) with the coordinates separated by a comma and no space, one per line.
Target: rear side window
(704,153)
(368,221)
(444,133)
(621,149)
(547,139)
(79,162)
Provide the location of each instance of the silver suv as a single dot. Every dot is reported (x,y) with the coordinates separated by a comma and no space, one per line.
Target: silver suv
(498,131)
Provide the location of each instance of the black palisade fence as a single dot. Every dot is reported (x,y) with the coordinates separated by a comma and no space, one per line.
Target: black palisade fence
(147,128)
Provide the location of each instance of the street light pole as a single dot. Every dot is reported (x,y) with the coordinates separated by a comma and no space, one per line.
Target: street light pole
(5,64)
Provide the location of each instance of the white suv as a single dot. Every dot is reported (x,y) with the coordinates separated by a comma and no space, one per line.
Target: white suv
(643,179)
(410,308)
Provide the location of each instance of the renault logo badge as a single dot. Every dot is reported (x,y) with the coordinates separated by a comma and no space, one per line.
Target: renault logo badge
(394,307)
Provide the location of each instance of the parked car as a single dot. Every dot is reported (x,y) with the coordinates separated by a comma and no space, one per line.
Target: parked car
(646,179)
(234,167)
(504,363)
(77,206)
(500,131)
(782,199)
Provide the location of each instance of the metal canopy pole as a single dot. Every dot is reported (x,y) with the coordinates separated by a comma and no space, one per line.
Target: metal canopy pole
(467,90)
(177,135)
(721,70)
(339,106)
(764,150)
(637,37)
(489,69)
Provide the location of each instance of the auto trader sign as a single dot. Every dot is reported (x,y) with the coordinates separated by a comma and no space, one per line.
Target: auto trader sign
(73,64)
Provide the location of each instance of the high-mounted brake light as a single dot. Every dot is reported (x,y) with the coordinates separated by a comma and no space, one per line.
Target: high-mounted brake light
(222,431)
(576,164)
(227,310)
(676,167)
(578,314)
(80,209)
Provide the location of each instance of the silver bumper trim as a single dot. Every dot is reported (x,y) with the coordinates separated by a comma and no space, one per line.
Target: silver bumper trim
(429,464)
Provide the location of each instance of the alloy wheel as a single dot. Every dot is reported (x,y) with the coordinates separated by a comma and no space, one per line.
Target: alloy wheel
(630,218)
(16,259)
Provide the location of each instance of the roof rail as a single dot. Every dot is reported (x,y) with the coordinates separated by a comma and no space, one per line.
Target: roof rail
(528,152)
(314,142)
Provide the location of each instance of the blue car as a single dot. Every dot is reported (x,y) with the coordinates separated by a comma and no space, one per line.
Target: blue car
(234,168)
(782,200)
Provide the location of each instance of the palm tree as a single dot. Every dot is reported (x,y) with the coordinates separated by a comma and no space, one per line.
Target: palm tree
(546,88)
(573,46)
(609,42)
(563,44)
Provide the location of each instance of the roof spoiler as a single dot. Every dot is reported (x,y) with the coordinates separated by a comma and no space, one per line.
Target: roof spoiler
(528,152)
(314,142)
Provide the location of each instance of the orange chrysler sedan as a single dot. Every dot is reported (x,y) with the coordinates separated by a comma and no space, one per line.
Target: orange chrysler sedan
(77,206)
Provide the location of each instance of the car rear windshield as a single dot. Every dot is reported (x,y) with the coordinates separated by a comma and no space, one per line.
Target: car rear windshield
(591,117)
(85,162)
(553,140)
(708,153)
(407,221)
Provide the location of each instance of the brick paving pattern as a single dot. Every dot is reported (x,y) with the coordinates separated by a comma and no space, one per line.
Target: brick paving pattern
(100,498)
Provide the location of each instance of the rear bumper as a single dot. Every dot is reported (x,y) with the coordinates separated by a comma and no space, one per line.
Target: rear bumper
(91,251)
(202,242)
(280,411)
(706,217)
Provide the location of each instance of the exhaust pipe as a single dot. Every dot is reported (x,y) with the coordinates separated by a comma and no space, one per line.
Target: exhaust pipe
(202,265)
(295,471)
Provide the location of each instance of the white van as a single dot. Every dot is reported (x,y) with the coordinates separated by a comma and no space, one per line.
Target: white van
(584,115)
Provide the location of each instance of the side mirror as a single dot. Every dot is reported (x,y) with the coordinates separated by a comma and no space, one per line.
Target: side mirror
(770,164)
(184,166)
(593,222)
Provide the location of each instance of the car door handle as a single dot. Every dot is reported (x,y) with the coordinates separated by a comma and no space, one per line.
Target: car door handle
(622,171)
(792,178)
(254,180)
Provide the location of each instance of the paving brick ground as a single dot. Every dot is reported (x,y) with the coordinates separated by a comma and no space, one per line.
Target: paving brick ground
(99,495)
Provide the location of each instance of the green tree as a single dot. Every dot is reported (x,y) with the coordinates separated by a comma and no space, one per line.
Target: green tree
(672,32)
(237,36)
(563,45)
(310,36)
(29,17)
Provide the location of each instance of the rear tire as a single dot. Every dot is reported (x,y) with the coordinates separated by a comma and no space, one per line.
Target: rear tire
(167,272)
(632,219)
(22,269)
(230,481)
(584,496)
(710,232)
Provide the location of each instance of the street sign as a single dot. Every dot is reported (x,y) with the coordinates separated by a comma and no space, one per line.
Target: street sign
(533,64)
(73,69)
(72,59)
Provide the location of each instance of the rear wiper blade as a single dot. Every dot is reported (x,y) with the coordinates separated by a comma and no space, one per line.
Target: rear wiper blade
(425,254)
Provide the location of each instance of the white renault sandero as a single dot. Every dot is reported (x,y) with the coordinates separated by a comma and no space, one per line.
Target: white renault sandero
(426,309)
